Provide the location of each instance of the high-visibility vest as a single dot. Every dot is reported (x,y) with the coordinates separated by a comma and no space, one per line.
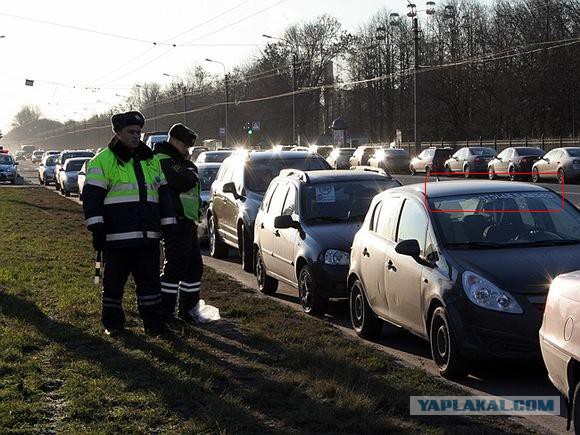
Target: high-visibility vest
(190,200)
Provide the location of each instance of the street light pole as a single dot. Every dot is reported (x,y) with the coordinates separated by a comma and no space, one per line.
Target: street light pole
(294,61)
(227,97)
(184,90)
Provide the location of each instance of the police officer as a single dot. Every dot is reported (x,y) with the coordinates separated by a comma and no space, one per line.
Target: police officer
(126,201)
(183,267)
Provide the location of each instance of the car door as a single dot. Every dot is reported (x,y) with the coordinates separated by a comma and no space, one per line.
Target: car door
(455,162)
(420,162)
(404,274)
(286,245)
(274,235)
(265,225)
(502,161)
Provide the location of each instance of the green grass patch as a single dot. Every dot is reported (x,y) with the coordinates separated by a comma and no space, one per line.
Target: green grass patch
(263,368)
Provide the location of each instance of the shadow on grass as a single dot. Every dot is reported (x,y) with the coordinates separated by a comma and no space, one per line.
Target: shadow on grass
(48,207)
(249,396)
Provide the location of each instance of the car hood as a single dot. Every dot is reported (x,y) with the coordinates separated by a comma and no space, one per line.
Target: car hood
(520,270)
(333,236)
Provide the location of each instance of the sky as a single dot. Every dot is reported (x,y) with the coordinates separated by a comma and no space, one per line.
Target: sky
(78,73)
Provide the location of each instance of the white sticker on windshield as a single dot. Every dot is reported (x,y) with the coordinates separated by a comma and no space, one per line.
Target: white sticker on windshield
(516,195)
(325,193)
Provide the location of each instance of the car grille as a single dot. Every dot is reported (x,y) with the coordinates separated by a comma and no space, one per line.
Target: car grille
(505,344)
(538,301)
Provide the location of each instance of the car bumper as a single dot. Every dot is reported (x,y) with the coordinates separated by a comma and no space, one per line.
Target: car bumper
(71,186)
(486,335)
(331,279)
(7,176)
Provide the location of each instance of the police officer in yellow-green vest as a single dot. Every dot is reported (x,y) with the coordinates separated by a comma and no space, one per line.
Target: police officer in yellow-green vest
(183,267)
(127,202)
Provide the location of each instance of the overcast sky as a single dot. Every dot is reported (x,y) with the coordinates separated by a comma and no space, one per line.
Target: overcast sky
(64,61)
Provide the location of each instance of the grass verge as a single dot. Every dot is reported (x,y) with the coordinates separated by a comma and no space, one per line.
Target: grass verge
(263,368)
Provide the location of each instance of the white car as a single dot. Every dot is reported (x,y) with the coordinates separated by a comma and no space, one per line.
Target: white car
(560,340)
(81,178)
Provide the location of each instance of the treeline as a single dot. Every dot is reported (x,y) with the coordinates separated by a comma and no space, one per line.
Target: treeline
(506,69)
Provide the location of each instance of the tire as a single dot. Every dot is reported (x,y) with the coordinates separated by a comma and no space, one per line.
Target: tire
(266,284)
(576,409)
(562,176)
(309,293)
(535,175)
(363,320)
(46,182)
(244,248)
(466,173)
(217,248)
(412,170)
(512,174)
(444,349)
(491,173)
(13,182)
(57,186)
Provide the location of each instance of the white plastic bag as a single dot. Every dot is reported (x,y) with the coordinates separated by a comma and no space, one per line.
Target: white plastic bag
(203,313)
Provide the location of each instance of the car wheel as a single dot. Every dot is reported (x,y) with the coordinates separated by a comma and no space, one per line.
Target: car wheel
(562,176)
(217,248)
(512,174)
(266,284)
(244,248)
(444,347)
(576,408)
(13,181)
(364,322)
(491,173)
(57,186)
(412,170)
(80,196)
(535,175)
(309,293)
(46,182)
(466,173)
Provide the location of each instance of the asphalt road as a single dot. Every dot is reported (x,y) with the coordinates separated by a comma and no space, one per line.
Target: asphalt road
(495,380)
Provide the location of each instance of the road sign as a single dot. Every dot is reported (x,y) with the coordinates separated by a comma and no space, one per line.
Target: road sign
(222,131)
(256,125)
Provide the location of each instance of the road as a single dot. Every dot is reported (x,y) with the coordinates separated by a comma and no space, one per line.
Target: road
(409,349)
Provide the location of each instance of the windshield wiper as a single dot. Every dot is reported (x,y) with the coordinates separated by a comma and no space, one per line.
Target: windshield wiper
(325,219)
(476,245)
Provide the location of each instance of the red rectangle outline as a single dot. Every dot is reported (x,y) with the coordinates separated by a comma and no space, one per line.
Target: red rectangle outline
(489,211)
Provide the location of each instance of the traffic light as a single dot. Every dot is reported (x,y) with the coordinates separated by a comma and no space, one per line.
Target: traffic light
(250,131)
(248,128)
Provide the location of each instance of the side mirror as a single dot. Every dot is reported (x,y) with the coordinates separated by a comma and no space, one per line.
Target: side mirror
(41,164)
(285,221)
(408,247)
(230,188)
(546,160)
(15,163)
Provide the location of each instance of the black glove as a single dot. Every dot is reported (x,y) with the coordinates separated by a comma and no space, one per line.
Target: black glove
(99,238)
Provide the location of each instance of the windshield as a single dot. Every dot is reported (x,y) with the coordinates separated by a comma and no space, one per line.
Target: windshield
(5,160)
(51,160)
(496,220)
(482,152)
(215,157)
(530,152)
(341,200)
(75,165)
(67,156)
(157,138)
(207,176)
(259,173)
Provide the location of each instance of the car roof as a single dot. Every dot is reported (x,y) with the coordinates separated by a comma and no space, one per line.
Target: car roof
(457,187)
(218,152)
(76,159)
(337,175)
(276,155)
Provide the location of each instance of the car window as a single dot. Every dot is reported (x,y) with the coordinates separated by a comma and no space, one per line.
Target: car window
(289,207)
(389,217)
(413,223)
(275,206)
(551,154)
(238,175)
(503,154)
(259,173)
(559,156)
(75,165)
(573,152)
(509,154)
(222,171)
(375,219)
(268,196)
(228,173)
(5,160)
(207,177)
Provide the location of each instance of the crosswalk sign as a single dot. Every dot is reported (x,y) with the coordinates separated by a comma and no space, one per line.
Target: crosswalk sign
(256,125)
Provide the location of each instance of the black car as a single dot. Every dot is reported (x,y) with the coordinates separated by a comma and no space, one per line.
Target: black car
(237,193)
(304,230)
(393,160)
(468,160)
(513,160)
(467,266)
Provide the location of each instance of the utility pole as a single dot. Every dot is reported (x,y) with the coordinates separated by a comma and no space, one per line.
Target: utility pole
(416,88)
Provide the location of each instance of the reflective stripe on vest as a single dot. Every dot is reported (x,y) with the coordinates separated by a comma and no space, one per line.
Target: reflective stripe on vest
(132,235)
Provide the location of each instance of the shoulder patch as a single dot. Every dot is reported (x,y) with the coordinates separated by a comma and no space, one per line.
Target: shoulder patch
(177,167)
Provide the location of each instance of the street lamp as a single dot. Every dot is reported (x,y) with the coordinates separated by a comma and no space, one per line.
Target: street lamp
(227,96)
(184,96)
(294,58)
(394,20)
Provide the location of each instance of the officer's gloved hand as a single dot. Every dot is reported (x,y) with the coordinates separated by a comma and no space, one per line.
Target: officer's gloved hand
(99,237)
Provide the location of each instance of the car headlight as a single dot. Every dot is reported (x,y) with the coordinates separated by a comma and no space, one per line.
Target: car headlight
(486,295)
(336,257)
